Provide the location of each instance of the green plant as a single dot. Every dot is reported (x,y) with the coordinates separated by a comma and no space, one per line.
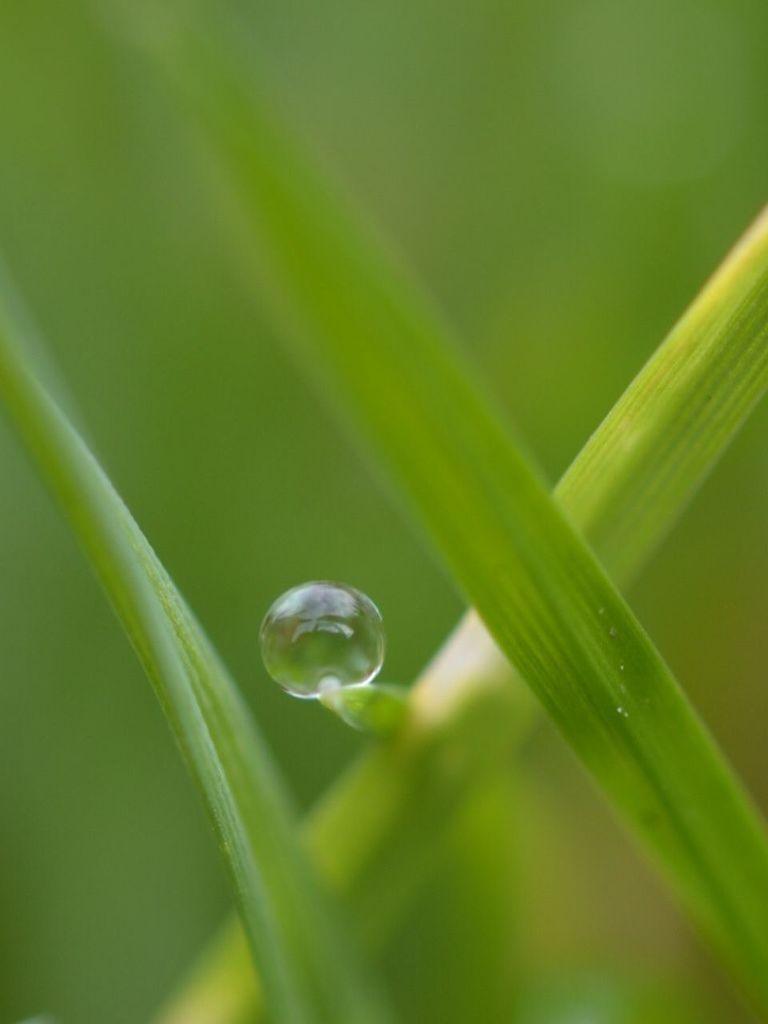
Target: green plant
(516,553)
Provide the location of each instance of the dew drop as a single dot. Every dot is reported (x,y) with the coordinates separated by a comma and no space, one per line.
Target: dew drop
(612,631)
(322,635)
(623,712)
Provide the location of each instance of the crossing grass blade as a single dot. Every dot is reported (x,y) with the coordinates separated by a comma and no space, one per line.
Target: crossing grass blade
(376,345)
(307,968)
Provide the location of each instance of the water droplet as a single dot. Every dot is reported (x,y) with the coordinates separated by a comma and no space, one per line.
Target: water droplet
(621,667)
(612,631)
(601,611)
(623,712)
(321,635)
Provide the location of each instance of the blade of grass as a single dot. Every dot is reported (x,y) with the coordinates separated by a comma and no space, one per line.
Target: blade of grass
(308,970)
(373,340)
(372,837)
(719,330)
(646,460)
(684,405)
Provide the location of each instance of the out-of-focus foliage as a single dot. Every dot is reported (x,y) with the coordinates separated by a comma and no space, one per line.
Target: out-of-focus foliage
(563,177)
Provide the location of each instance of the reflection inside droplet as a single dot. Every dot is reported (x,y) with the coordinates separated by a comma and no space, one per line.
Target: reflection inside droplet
(321,635)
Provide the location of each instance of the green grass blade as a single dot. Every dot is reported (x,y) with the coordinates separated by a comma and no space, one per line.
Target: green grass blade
(376,343)
(378,709)
(711,330)
(670,425)
(306,967)
(646,460)
(373,838)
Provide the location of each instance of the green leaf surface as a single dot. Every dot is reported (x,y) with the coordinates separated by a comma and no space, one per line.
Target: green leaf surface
(307,969)
(376,345)
(671,424)
(378,709)
(453,693)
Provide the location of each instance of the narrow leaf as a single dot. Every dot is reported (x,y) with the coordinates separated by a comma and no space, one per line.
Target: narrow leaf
(378,709)
(377,344)
(724,319)
(306,967)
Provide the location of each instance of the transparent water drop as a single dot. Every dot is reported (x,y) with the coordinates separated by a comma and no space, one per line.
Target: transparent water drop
(322,635)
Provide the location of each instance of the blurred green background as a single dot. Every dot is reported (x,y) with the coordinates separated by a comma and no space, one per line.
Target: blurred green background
(563,176)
